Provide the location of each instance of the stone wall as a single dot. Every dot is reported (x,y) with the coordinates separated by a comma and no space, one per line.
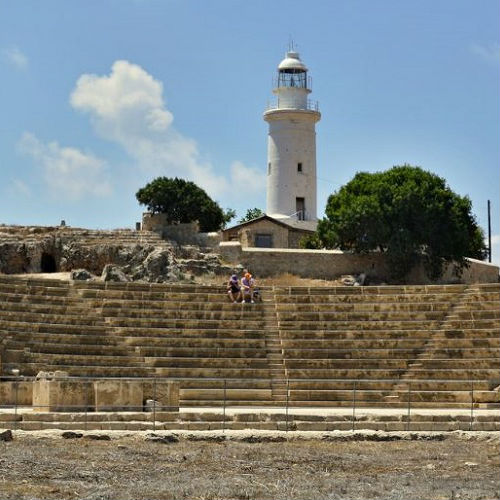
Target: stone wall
(331,264)
(183,234)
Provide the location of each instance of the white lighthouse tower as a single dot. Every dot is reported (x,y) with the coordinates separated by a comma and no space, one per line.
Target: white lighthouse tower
(291,153)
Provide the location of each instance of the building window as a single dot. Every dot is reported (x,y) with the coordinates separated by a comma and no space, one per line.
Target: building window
(264,240)
(299,167)
(269,168)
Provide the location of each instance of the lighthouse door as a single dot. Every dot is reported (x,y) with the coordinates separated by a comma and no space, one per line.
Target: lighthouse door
(300,208)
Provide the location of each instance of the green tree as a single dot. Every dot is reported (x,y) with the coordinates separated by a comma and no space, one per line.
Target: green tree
(183,201)
(252,213)
(407,213)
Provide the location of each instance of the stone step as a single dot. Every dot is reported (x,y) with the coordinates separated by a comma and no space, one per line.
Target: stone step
(379,373)
(183,323)
(32,368)
(308,345)
(362,307)
(369,352)
(147,345)
(368,290)
(62,319)
(195,352)
(367,324)
(337,317)
(346,363)
(377,333)
(235,314)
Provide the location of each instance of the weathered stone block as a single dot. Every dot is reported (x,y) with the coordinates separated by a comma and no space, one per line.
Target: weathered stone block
(166,393)
(118,395)
(63,394)
(13,392)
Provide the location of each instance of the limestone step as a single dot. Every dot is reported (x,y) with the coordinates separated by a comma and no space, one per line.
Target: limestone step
(375,352)
(367,324)
(349,373)
(182,323)
(362,307)
(63,319)
(345,355)
(236,314)
(208,363)
(338,317)
(148,345)
(377,333)
(75,360)
(229,395)
(339,363)
(32,368)
(320,300)
(116,307)
(193,352)
(368,290)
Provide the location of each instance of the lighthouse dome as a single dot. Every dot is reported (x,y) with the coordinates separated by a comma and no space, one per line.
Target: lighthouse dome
(292,63)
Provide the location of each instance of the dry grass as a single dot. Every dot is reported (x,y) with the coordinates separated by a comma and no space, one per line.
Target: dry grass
(130,468)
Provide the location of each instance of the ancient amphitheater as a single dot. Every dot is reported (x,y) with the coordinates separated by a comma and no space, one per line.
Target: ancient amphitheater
(142,355)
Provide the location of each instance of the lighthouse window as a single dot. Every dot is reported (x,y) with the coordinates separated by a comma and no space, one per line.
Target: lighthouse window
(299,167)
(269,168)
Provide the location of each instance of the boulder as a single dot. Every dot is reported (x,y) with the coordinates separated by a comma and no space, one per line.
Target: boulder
(81,275)
(114,273)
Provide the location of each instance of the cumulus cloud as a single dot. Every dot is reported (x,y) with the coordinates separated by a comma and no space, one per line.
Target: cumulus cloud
(127,107)
(15,57)
(488,53)
(67,172)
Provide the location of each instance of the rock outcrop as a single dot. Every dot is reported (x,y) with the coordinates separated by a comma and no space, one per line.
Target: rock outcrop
(121,255)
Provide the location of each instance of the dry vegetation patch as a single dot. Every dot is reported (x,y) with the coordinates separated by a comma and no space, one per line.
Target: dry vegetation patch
(129,467)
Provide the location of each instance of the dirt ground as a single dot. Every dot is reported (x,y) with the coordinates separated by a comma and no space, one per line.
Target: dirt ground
(133,467)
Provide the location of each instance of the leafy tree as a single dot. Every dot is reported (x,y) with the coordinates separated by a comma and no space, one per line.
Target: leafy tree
(229,214)
(311,242)
(409,214)
(183,201)
(252,213)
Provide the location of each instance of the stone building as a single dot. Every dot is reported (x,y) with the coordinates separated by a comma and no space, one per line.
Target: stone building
(267,232)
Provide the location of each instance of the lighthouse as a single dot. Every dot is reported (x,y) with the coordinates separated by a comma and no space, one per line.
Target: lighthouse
(291,151)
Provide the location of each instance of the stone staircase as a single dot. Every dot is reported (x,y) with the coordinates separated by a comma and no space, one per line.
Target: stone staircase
(343,344)
(466,348)
(327,346)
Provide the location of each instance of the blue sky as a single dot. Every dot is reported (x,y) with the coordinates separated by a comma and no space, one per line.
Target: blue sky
(98,97)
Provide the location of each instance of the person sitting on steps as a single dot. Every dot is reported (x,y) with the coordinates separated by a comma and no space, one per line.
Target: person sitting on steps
(233,289)
(247,286)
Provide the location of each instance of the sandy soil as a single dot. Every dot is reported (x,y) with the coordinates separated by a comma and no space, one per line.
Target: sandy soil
(131,466)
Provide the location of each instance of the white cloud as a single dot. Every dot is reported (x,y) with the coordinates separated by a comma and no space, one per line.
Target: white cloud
(21,188)
(250,179)
(68,172)
(128,107)
(15,57)
(488,53)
